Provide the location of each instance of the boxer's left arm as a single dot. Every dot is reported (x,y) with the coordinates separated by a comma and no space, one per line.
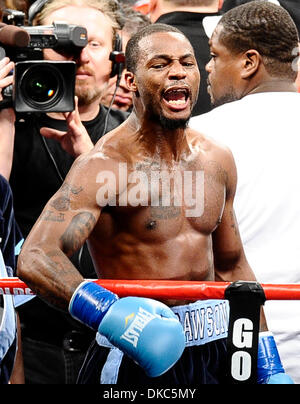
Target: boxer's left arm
(231,265)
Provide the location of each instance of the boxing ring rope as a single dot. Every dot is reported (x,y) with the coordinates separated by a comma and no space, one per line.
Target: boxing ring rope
(245,302)
(163,289)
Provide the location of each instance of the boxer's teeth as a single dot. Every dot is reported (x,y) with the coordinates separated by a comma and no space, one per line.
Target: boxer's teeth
(176,96)
(176,102)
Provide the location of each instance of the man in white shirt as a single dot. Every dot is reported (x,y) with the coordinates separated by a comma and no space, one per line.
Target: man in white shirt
(252,72)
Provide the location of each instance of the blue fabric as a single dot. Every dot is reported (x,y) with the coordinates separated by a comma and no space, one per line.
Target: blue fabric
(10,241)
(10,234)
(7,330)
(269,366)
(110,370)
(90,303)
(203,321)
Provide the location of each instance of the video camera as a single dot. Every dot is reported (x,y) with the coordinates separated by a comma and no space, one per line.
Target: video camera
(39,85)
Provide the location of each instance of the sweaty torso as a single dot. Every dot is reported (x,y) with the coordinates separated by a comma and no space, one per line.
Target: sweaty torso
(160,226)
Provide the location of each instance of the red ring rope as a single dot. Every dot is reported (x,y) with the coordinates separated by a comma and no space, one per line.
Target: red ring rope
(158,289)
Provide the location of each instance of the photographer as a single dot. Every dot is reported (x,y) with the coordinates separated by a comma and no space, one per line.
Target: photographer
(53,344)
(133,22)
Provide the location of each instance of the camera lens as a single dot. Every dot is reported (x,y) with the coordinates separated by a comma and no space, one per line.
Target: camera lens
(41,86)
(41,89)
(44,86)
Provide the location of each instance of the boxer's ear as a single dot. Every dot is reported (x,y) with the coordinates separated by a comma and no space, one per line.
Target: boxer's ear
(251,61)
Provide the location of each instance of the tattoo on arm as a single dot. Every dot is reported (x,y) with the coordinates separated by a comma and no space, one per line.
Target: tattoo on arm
(233,223)
(77,232)
(50,216)
(62,279)
(62,202)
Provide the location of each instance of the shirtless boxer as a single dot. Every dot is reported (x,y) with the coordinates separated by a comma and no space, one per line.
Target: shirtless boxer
(154,199)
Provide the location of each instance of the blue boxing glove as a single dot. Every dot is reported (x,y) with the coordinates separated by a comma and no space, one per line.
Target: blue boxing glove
(145,329)
(269,366)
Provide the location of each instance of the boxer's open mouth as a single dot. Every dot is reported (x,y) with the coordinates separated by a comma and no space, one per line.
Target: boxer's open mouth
(177,97)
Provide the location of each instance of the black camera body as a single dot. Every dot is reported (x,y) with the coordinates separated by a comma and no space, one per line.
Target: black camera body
(41,85)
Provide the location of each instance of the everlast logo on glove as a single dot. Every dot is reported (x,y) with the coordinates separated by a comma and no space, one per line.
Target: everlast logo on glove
(133,332)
